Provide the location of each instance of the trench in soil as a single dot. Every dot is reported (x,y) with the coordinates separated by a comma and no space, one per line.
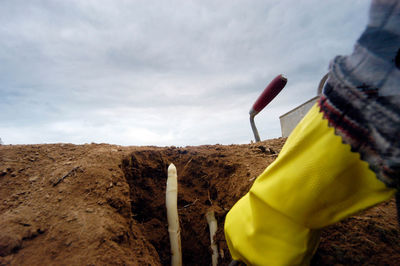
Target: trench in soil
(203,183)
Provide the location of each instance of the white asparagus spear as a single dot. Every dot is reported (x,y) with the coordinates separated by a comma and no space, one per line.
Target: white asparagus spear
(172,216)
(212,224)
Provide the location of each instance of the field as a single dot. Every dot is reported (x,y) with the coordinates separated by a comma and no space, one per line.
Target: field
(100,204)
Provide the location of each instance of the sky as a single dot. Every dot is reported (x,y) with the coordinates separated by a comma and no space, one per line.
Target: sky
(162,73)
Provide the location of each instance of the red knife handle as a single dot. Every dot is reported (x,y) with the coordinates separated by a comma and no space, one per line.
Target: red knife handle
(269,93)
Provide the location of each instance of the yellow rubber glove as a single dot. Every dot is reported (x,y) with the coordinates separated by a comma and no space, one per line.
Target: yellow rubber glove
(315,181)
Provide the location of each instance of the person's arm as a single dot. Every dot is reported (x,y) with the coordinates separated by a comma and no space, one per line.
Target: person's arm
(315,181)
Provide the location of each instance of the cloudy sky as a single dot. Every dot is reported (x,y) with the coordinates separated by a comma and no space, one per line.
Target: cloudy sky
(174,72)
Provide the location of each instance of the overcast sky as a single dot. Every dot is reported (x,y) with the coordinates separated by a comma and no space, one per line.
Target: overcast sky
(162,72)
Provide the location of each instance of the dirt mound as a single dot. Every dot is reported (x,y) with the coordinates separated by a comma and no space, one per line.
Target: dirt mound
(104,204)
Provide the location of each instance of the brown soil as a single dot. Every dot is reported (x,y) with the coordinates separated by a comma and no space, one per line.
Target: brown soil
(64,204)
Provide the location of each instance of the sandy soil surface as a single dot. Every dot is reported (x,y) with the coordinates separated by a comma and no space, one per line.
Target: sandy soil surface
(100,204)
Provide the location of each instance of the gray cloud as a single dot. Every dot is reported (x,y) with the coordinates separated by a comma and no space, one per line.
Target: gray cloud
(161,72)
